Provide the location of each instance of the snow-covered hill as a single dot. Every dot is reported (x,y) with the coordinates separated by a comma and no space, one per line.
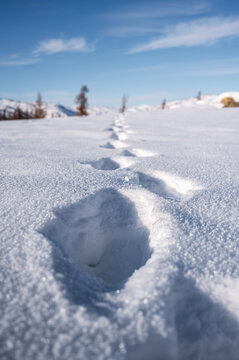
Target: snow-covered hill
(52,110)
(56,110)
(206,101)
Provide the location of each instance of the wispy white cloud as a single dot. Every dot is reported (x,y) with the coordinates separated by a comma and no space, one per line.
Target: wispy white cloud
(49,47)
(204,31)
(19,62)
(153,9)
(131,31)
(53,46)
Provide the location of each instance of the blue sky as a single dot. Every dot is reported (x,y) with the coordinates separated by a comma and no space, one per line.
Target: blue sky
(149,50)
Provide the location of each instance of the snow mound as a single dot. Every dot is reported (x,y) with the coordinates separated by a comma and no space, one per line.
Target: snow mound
(234,95)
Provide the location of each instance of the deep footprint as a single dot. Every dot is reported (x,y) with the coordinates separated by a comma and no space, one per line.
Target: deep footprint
(114,136)
(103,235)
(104,164)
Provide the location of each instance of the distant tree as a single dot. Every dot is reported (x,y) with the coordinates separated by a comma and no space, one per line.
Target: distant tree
(124,102)
(81,101)
(18,114)
(39,112)
(5,115)
(27,115)
(199,96)
(163,106)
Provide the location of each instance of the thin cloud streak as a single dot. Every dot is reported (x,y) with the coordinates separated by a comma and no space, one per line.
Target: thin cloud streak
(49,47)
(204,31)
(53,46)
(154,10)
(19,62)
(131,31)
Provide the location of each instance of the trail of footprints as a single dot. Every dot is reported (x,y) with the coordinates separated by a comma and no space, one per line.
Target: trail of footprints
(118,140)
(103,234)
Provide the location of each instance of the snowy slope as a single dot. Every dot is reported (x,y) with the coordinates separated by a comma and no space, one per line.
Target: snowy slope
(206,100)
(119,236)
(52,110)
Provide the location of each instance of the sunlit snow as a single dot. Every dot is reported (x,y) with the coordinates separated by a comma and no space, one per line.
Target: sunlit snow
(119,235)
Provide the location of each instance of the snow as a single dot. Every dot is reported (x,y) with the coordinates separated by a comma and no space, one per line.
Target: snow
(122,247)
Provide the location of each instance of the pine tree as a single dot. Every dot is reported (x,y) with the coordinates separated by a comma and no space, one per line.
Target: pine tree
(82,102)
(163,106)
(27,114)
(39,112)
(124,101)
(5,116)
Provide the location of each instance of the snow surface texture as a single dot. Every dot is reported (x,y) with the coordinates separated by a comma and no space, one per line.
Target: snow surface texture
(120,247)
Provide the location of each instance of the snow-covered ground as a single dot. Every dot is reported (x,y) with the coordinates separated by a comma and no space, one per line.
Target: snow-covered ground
(119,236)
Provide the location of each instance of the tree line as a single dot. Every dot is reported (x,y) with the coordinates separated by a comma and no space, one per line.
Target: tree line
(37,112)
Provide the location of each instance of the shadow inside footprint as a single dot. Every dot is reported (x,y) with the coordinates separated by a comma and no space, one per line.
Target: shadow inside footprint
(156,186)
(114,136)
(127,153)
(104,164)
(101,235)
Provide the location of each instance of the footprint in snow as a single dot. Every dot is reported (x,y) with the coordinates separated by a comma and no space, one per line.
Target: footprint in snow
(114,136)
(102,235)
(156,186)
(168,185)
(127,153)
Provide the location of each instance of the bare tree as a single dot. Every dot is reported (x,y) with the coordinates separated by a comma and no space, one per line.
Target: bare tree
(82,101)
(124,102)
